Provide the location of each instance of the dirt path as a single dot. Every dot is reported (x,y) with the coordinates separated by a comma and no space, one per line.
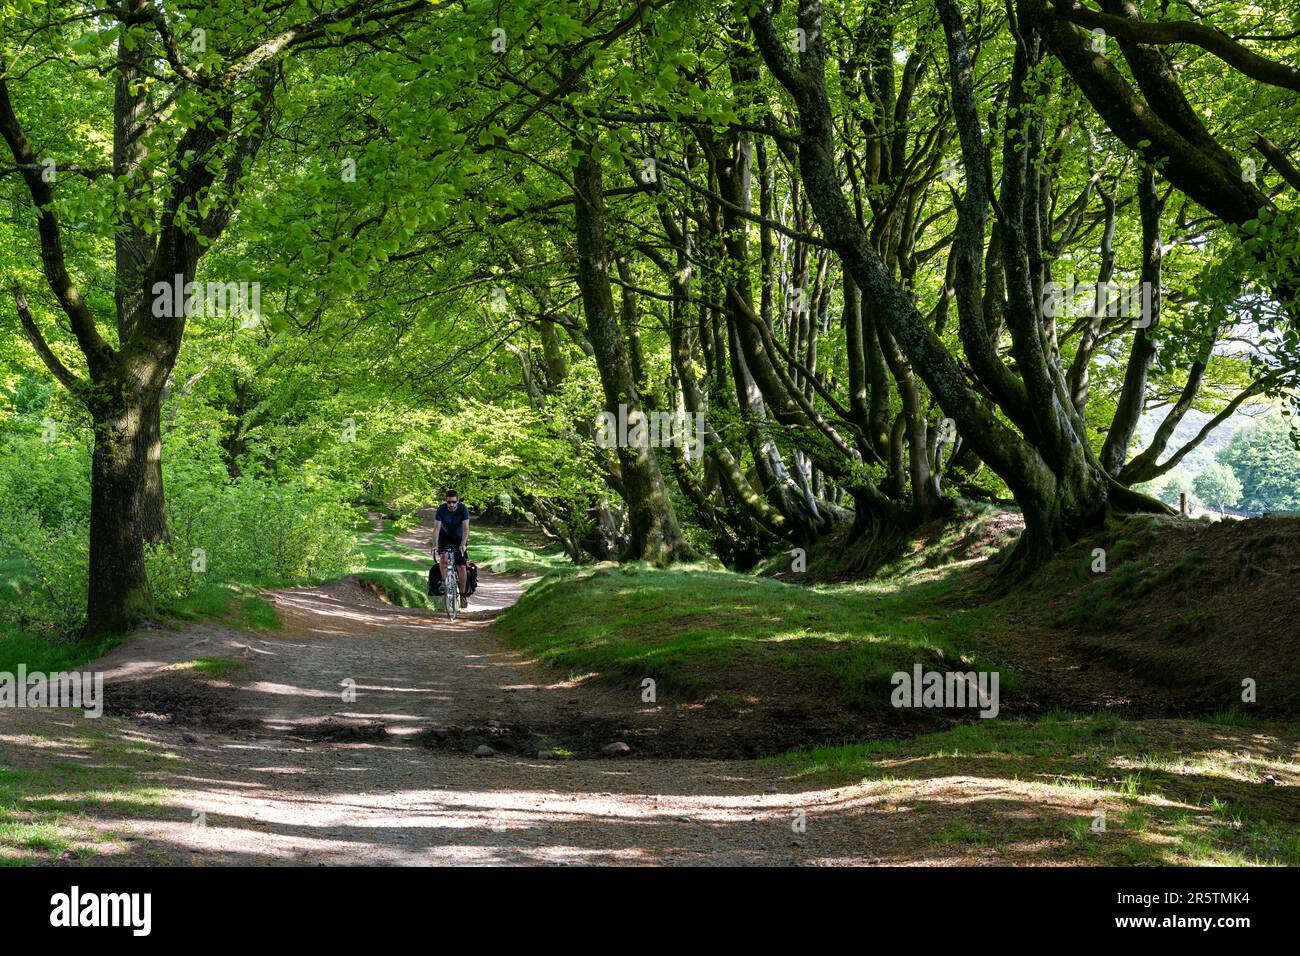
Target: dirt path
(251,763)
(408,670)
(271,763)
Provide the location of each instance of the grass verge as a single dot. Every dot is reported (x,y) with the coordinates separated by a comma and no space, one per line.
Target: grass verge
(40,654)
(74,779)
(710,629)
(1094,789)
(239,607)
(400,573)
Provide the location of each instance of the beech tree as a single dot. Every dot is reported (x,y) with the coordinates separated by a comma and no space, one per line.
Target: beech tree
(193,94)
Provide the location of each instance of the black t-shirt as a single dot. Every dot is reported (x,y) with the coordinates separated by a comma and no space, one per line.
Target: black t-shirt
(453,520)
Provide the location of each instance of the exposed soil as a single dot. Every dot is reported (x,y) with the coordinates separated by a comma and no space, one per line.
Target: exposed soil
(181,700)
(456,687)
(1184,612)
(282,770)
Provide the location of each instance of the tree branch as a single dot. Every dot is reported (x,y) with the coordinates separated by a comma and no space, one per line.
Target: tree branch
(42,348)
(99,354)
(1163,33)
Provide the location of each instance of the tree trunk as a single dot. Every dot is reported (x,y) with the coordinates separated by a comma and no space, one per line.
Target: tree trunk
(553,356)
(1128,409)
(654,533)
(118,594)
(1076,503)
(153,502)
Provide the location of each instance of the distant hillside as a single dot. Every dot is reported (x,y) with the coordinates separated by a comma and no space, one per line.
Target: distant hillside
(1194,421)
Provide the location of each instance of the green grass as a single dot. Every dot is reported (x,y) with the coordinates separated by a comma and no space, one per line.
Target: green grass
(40,654)
(216,668)
(970,534)
(1233,718)
(1055,736)
(399,572)
(46,808)
(695,627)
(511,551)
(1176,792)
(1102,598)
(240,607)
(963,833)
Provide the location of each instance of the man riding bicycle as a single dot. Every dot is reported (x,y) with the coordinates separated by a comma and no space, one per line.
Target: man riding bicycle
(451,532)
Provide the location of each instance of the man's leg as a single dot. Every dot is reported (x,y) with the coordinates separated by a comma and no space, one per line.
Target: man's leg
(463,574)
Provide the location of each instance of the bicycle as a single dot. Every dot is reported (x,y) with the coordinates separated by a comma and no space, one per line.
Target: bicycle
(450,585)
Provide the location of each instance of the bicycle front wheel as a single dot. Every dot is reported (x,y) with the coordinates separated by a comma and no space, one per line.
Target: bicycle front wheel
(451,599)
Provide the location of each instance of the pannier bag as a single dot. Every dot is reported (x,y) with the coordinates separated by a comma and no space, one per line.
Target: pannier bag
(435,588)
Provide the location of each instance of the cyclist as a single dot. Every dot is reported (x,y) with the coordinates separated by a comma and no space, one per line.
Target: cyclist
(451,533)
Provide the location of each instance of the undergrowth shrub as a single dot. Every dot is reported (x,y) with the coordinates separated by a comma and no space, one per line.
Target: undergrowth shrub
(261,528)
